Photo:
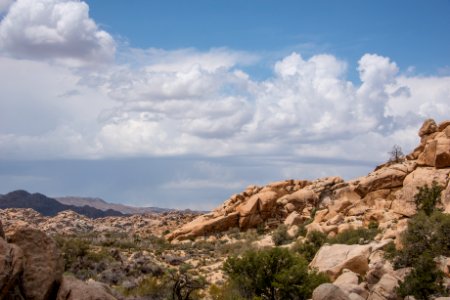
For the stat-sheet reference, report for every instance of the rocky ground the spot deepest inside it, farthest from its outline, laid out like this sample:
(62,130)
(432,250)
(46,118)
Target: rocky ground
(156,256)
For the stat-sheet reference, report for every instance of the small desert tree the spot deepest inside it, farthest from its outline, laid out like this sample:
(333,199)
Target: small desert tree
(396,154)
(272,274)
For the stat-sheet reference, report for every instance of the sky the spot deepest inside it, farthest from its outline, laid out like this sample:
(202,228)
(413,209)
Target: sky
(181,104)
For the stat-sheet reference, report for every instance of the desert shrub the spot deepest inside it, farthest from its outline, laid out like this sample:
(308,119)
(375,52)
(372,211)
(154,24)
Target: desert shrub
(261,228)
(427,198)
(354,236)
(227,291)
(236,248)
(424,234)
(427,237)
(72,249)
(150,287)
(390,252)
(396,154)
(309,247)
(373,225)
(204,245)
(275,273)
(234,233)
(280,235)
(186,283)
(424,281)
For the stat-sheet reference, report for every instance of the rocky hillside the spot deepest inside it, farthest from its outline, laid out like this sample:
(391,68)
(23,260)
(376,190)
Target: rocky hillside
(103,205)
(49,206)
(71,223)
(333,205)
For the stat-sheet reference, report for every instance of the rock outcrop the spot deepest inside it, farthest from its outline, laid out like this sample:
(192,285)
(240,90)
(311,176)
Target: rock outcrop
(31,268)
(74,289)
(43,265)
(386,196)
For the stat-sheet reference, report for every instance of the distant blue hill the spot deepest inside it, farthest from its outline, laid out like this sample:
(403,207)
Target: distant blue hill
(49,206)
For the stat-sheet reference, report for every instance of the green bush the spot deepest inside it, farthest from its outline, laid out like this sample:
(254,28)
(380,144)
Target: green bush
(280,235)
(427,198)
(427,237)
(275,273)
(355,236)
(424,281)
(424,234)
(227,291)
(311,245)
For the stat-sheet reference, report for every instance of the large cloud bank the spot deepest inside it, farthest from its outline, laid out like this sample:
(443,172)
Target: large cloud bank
(64,94)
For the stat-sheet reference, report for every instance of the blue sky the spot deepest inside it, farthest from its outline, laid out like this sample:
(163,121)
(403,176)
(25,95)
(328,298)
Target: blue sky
(414,32)
(184,103)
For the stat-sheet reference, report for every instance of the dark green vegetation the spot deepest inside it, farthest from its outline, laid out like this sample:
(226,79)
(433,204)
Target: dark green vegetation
(427,238)
(355,236)
(309,247)
(275,273)
(427,198)
(280,236)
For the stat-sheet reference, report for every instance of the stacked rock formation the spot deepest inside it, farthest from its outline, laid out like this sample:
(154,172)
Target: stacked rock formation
(385,196)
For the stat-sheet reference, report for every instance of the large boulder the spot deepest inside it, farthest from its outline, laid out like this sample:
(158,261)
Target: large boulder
(11,266)
(385,178)
(351,257)
(206,224)
(404,202)
(328,291)
(384,288)
(74,289)
(436,152)
(428,127)
(348,283)
(294,218)
(43,265)
(2,233)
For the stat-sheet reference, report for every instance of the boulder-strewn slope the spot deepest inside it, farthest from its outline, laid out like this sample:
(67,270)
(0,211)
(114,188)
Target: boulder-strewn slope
(71,223)
(384,196)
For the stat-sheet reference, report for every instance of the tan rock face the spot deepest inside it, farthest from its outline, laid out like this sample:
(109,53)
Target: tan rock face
(404,202)
(11,266)
(351,257)
(43,266)
(293,219)
(2,233)
(385,288)
(385,178)
(328,291)
(434,150)
(74,289)
(428,127)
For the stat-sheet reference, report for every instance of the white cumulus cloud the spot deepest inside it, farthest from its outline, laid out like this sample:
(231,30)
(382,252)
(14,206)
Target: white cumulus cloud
(59,30)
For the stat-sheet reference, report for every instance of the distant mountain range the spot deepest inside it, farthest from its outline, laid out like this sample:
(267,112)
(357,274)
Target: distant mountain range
(103,205)
(49,206)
